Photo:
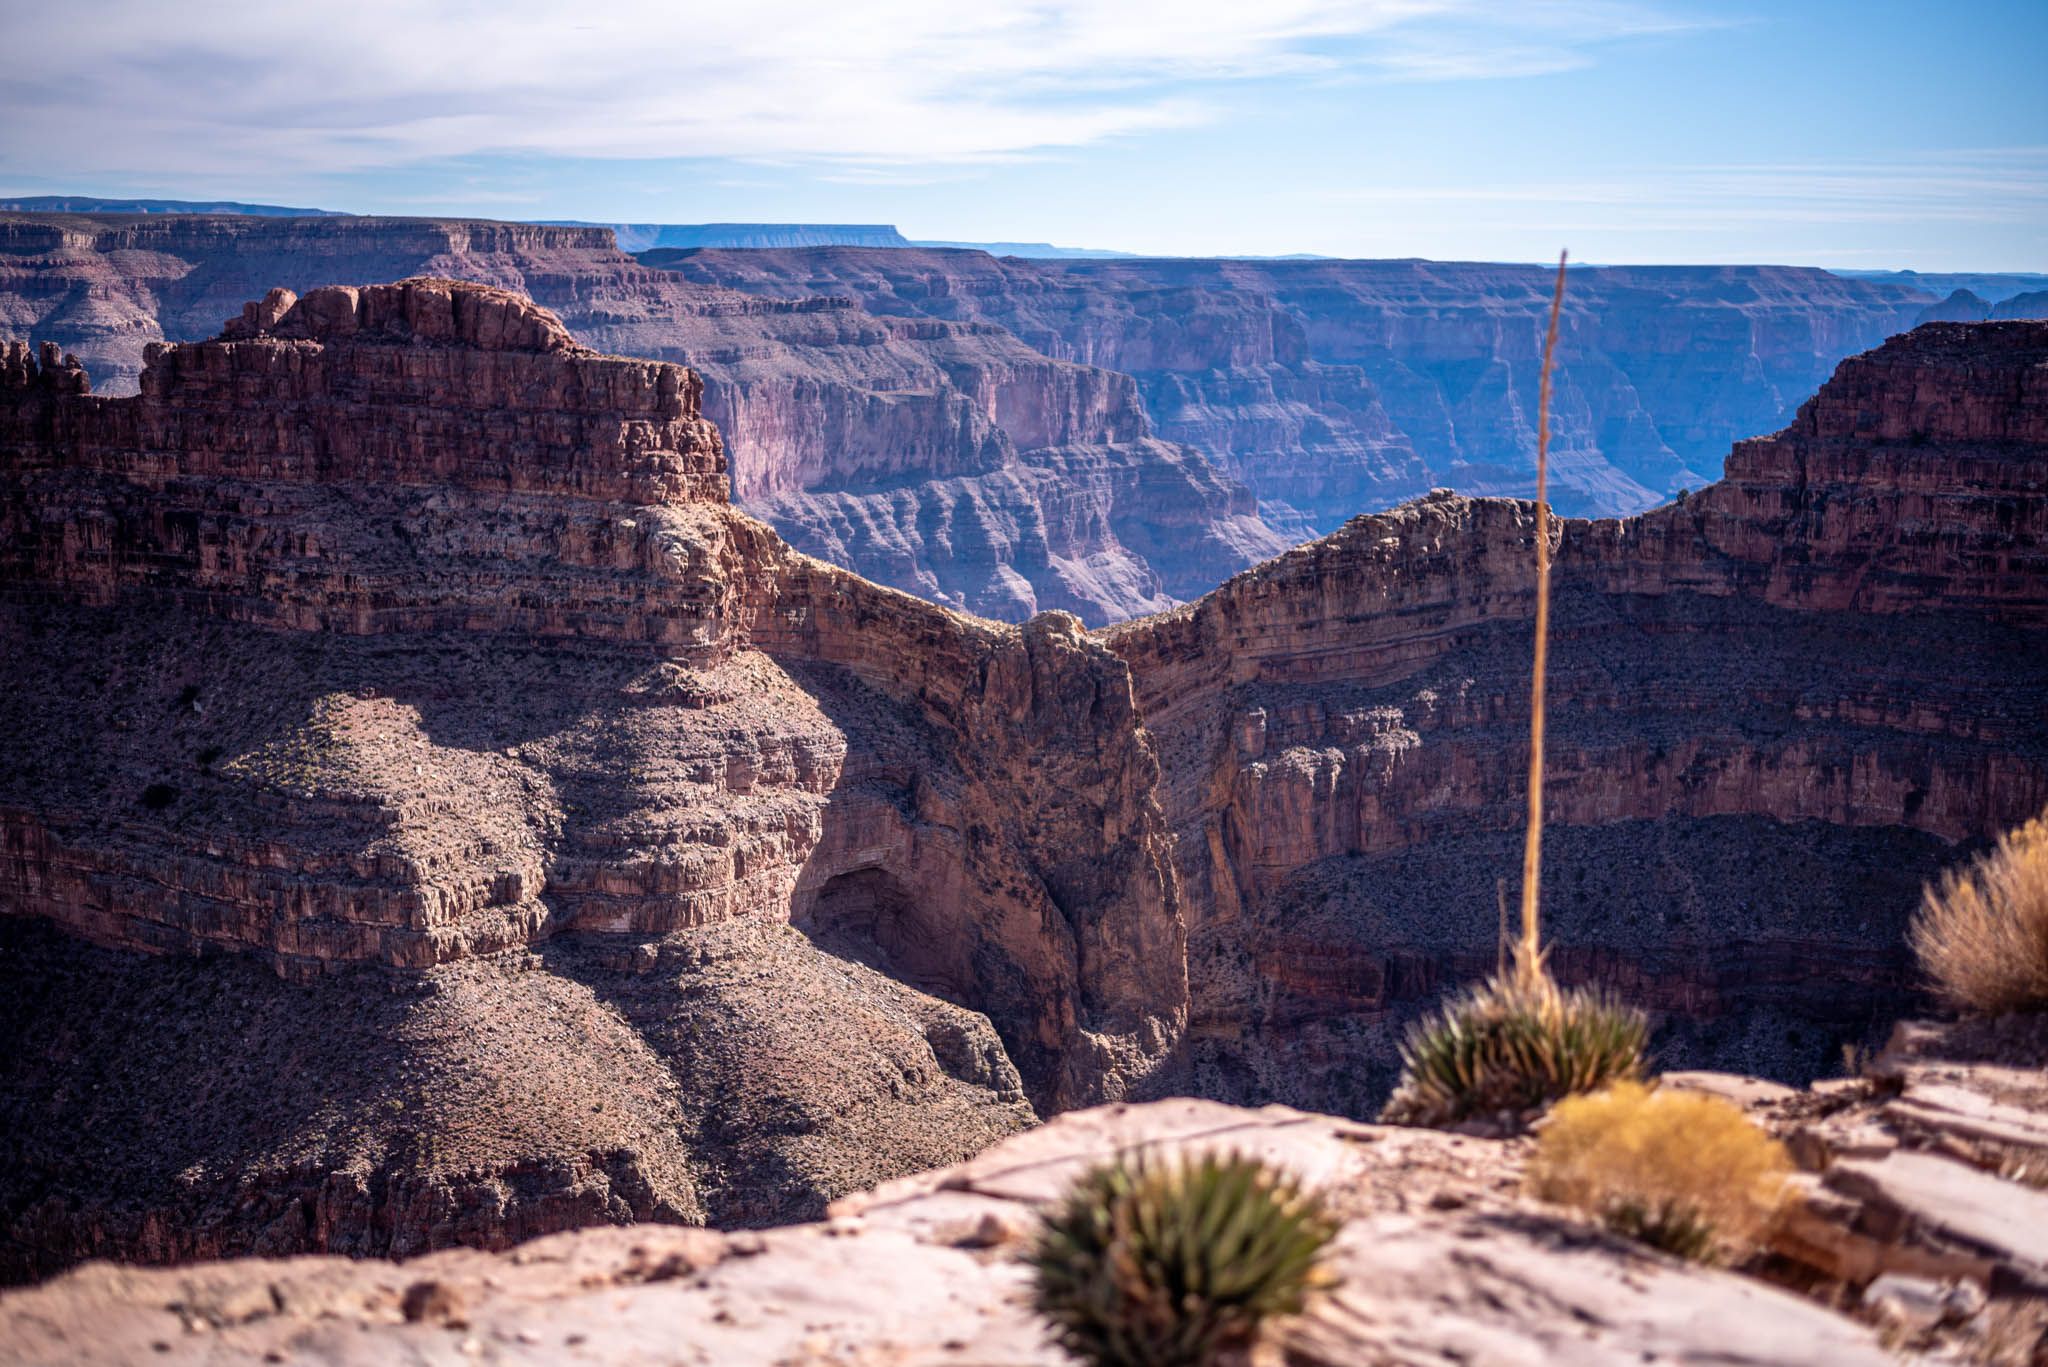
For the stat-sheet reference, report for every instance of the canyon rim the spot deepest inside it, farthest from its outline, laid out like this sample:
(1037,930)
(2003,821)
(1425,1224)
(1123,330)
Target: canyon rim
(837,685)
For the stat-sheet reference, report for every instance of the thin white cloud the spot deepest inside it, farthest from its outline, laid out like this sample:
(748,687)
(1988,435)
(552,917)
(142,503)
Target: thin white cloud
(1975,186)
(140,87)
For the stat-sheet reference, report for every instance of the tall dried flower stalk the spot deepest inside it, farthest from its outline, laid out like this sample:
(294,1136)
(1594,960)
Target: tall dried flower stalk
(1529,967)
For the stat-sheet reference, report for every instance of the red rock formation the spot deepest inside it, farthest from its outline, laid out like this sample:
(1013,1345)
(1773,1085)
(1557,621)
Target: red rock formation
(397,636)
(395,642)
(1339,387)
(1774,703)
(947,459)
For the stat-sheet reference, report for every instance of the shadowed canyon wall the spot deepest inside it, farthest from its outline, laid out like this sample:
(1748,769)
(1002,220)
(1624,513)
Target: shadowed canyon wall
(400,643)
(437,816)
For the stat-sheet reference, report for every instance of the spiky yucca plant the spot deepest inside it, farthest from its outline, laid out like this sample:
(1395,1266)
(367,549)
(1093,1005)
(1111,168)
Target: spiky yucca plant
(1511,1046)
(1168,1264)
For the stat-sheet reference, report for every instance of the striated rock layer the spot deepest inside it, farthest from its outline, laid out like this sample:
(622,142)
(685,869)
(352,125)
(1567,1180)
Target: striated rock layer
(1339,387)
(398,642)
(1775,706)
(948,459)
(436,816)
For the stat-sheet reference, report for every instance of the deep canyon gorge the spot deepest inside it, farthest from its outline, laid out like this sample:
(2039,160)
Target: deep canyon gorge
(489,828)
(1102,437)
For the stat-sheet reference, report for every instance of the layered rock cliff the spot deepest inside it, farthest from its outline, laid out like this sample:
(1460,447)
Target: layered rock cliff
(947,459)
(1776,706)
(1339,387)
(514,835)
(438,817)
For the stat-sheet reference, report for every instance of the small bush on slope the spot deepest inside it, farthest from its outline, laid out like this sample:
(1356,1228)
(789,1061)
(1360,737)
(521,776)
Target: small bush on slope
(1150,1264)
(1682,1172)
(1982,931)
(1511,1046)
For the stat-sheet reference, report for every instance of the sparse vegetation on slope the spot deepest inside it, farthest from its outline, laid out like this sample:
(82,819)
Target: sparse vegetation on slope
(1683,1172)
(1169,1264)
(1982,931)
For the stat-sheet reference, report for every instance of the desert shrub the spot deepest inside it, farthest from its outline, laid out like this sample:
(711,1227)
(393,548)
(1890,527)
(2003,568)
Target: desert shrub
(1683,1172)
(1982,930)
(1169,1264)
(1510,1047)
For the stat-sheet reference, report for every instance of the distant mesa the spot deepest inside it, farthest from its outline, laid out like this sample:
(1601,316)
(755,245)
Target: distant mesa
(2030,305)
(641,237)
(89,204)
(1994,286)
(1961,306)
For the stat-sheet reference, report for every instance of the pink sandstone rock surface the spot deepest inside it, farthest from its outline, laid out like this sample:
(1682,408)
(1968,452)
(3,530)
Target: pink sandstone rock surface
(1441,1260)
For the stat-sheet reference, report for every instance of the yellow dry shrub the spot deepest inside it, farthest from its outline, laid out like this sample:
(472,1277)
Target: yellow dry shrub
(1686,1173)
(1982,931)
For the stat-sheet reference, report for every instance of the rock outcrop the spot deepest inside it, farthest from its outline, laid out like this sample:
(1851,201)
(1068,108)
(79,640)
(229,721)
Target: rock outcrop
(2033,304)
(1776,706)
(393,669)
(946,459)
(1441,1260)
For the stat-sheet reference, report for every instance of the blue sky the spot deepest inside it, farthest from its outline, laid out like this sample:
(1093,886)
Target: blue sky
(1848,135)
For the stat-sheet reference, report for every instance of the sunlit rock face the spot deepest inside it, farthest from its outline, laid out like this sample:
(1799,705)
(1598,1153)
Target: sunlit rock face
(1335,388)
(949,459)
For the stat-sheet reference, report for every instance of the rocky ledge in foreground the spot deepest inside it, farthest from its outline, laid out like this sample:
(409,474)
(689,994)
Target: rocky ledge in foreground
(1441,1261)
(1919,1232)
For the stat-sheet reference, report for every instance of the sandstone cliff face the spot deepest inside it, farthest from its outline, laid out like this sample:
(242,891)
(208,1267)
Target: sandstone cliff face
(1775,704)
(947,459)
(398,642)
(485,829)
(1339,387)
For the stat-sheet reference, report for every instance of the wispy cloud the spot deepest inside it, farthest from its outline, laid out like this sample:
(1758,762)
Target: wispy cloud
(1974,186)
(210,90)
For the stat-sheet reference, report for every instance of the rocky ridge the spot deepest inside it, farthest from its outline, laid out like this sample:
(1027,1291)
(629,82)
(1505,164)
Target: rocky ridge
(1342,735)
(401,643)
(947,459)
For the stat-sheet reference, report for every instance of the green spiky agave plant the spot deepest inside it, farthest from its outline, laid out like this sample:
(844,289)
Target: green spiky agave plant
(1511,1046)
(1150,1263)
